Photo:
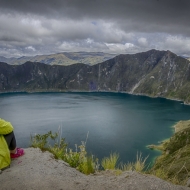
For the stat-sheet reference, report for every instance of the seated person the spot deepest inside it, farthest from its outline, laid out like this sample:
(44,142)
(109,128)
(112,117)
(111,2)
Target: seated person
(8,147)
(11,142)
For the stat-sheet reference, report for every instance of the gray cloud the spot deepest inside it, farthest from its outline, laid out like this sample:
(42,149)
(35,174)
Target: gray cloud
(122,26)
(136,15)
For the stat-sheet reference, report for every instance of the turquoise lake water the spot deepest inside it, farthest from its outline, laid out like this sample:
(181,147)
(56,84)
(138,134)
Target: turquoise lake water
(116,122)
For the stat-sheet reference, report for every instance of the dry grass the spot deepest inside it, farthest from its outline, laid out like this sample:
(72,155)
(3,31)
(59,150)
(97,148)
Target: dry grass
(140,164)
(110,162)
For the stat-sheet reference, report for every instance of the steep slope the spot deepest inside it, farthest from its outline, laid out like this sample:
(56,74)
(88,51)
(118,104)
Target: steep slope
(170,78)
(153,73)
(174,162)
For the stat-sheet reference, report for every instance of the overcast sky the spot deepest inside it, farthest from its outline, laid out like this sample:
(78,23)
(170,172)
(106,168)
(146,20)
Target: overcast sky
(31,27)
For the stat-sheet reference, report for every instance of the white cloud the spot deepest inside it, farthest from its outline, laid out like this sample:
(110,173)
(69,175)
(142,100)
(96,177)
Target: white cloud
(143,42)
(177,44)
(30,48)
(89,41)
(121,48)
(83,45)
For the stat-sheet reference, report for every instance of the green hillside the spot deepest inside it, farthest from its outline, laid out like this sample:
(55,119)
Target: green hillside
(174,163)
(65,58)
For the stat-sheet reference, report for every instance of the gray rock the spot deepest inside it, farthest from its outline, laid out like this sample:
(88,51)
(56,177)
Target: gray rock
(188,183)
(39,170)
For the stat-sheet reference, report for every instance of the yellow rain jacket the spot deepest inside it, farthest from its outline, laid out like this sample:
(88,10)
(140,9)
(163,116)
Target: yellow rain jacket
(5,128)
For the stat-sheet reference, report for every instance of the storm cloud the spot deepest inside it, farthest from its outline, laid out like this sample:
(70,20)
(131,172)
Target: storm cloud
(122,26)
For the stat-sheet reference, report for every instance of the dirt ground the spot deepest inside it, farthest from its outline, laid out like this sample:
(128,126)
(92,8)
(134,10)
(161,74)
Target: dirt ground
(39,170)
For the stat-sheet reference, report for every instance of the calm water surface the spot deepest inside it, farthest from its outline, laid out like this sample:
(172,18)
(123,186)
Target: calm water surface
(116,122)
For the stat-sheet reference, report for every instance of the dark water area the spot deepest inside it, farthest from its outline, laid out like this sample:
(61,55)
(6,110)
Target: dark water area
(116,122)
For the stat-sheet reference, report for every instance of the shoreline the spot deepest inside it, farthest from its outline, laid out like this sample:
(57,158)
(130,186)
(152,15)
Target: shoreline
(160,147)
(179,126)
(175,154)
(85,91)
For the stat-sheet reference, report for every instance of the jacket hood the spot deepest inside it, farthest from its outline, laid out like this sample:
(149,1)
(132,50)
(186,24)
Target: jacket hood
(5,127)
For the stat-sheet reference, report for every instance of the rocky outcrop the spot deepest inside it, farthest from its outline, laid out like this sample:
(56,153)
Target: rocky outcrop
(39,170)
(153,73)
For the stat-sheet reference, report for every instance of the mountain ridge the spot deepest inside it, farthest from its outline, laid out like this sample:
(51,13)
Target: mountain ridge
(64,58)
(153,73)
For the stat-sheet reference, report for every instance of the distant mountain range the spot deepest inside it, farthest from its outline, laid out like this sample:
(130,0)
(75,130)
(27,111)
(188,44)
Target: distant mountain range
(153,73)
(66,58)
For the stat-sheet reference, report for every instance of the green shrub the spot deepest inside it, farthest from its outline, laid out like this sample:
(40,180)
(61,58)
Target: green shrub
(41,141)
(87,165)
(77,159)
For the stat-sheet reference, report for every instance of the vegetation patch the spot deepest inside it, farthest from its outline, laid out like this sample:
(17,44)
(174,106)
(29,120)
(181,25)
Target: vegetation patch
(55,144)
(80,159)
(174,163)
(110,162)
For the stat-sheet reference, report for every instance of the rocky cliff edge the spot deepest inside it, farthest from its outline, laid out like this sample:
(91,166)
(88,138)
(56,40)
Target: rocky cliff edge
(39,170)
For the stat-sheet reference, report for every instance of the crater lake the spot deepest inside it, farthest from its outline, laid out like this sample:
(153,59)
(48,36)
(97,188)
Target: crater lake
(114,122)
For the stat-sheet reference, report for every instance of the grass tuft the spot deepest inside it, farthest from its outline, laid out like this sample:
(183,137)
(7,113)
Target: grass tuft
(140,164)
(127,167)
(110,162)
